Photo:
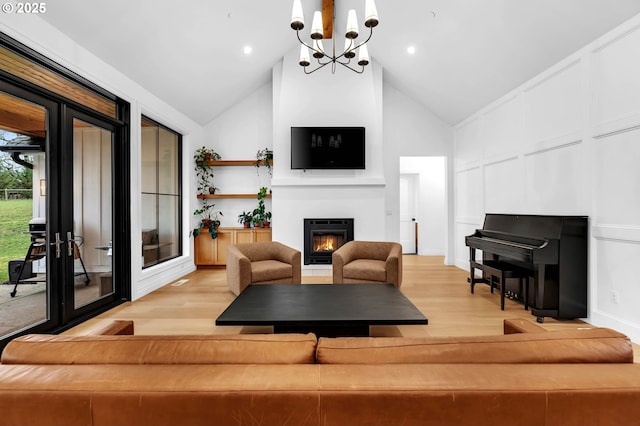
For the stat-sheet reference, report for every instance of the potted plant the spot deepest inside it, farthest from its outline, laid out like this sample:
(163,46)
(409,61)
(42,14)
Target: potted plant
(260,214)
(245,218)
(267,219)
(265,156)
(204,170)
(208,220)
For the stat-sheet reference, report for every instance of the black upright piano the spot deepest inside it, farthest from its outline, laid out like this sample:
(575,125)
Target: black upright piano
(552,250)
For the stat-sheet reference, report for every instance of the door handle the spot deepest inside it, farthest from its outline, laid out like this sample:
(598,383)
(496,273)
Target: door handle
(70,244)
(57,243)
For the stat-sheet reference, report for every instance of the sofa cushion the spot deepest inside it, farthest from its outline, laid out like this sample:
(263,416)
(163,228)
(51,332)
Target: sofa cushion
(365,269)
(220,349)
(598,345)
(269,270)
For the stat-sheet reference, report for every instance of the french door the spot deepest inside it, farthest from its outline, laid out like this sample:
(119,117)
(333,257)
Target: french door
(85,204)
(74,262)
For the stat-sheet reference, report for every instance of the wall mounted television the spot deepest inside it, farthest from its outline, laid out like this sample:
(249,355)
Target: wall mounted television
(327,148)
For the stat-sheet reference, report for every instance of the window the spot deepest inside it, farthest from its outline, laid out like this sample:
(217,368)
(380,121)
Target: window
(161,193)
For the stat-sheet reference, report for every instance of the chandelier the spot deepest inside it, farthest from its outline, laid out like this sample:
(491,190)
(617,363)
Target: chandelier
(320,32)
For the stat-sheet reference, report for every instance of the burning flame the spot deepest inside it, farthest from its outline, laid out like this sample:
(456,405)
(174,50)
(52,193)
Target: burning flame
(325,245)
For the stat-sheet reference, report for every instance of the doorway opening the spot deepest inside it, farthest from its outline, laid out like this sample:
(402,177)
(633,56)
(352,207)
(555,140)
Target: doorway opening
(423,205)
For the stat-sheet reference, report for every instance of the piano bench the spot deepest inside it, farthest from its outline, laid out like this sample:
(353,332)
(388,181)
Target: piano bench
(501,271)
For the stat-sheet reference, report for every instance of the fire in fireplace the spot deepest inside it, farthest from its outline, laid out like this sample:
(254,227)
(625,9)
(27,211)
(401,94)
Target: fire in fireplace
(323,236)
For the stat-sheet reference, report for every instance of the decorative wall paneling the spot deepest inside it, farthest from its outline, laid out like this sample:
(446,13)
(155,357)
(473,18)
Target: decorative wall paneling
(579,155)
(616,86)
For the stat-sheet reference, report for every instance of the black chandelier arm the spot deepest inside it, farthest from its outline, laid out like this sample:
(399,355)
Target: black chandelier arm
(316,69)
(346,65)
(309,47)
(363,43)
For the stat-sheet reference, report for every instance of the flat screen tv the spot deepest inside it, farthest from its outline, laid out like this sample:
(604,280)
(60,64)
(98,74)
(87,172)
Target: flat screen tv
(327,148)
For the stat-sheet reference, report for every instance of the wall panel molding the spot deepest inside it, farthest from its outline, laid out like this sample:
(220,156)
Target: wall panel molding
(616,125)
(556,142)
(469,220)
(616,89)
(468,166)
(498,159)
(621,233)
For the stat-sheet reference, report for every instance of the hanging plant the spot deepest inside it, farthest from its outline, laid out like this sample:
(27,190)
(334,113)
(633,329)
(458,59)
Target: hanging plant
(265,156)
(204,170)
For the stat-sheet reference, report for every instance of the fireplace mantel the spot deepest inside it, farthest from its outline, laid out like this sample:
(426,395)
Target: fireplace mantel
(328,181)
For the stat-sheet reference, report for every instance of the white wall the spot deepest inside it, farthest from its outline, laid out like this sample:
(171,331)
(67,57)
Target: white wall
(40,36)
(410,129)
(237,134)
(566,143)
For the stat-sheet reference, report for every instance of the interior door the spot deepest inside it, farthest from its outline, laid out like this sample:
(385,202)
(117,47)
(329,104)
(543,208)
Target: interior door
(408,212)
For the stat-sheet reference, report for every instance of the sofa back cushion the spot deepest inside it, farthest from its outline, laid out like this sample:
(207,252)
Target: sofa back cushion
(599,345)
(220,349)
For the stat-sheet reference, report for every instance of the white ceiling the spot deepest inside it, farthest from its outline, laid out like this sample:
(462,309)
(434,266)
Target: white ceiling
(189,53)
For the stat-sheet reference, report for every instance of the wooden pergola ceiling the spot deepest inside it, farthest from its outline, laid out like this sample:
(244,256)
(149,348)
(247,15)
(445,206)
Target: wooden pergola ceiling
(22,117)
(19,116)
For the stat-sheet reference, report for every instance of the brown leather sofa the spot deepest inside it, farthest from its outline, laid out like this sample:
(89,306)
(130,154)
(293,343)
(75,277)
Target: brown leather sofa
(265,262)
(367,262)
(575,377)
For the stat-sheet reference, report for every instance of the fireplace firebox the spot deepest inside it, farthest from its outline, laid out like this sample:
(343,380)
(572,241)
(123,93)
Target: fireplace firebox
(324,236)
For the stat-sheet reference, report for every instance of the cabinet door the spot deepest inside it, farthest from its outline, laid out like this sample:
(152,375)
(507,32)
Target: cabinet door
(261,235)
(244,236)
(225,238)
(204,249)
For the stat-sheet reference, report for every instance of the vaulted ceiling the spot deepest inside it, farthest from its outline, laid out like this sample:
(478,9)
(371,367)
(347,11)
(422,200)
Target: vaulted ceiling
(468,52)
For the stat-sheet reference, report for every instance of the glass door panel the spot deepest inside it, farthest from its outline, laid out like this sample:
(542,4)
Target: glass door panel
(92,212)
(25,294)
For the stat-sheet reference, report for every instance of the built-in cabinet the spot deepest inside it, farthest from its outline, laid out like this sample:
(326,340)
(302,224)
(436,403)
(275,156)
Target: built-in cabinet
(213,251)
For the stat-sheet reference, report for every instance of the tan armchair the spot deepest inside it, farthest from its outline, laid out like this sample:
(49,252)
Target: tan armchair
(268,262)
(368,262)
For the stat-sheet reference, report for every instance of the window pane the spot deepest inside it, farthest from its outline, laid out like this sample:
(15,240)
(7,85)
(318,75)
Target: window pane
(161,196)
(149,153)
(168,227)
(167,162)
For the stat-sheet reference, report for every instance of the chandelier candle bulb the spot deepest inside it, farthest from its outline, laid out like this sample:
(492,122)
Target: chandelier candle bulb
(304,56)
(348,48)
(297,16)
(318,49)
(370,14)
(316,25)
(352,25)
(363,59)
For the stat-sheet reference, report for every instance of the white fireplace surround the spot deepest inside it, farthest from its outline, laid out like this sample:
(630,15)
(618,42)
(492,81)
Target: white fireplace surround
(323,100)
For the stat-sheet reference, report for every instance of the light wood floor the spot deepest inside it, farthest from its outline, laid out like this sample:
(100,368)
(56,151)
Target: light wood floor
(440,292)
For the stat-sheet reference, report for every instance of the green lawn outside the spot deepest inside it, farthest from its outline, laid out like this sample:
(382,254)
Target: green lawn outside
(14,237)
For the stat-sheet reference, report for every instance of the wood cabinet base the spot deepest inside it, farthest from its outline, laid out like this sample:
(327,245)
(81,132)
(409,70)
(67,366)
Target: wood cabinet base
(210,252)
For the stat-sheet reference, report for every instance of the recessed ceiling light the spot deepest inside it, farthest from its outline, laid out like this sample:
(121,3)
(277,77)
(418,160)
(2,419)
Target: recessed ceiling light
(247,50)
(411,50)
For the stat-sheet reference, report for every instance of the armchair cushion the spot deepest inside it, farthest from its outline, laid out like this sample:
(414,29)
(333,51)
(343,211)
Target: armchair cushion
(269,270)
(366,270)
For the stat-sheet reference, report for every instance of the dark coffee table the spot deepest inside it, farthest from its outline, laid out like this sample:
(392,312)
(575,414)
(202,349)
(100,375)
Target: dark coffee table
(328,310)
